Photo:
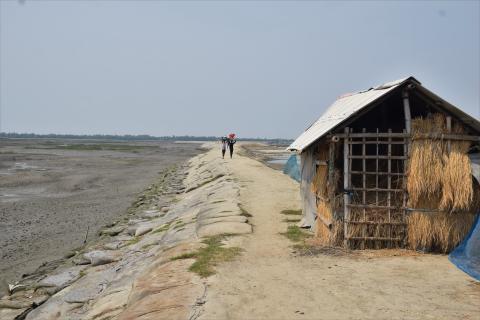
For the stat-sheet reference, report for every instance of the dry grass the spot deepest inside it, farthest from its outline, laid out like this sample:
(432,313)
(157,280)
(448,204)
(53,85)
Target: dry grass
(439,232)
(322,232)
(375,230)
(425,164)
(457,190)
(435,170)
(319,183)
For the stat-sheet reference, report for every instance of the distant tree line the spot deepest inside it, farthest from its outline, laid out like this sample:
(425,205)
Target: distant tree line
(128,137)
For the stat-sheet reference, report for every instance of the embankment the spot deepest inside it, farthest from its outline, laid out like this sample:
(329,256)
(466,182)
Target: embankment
(130,273)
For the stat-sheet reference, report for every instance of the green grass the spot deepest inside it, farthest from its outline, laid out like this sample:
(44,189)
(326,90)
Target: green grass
(188,255)
(292,212)
(179,226)
(291,220)
(148,245)
(134,240)
(210,256)
(163,228)
(296,234)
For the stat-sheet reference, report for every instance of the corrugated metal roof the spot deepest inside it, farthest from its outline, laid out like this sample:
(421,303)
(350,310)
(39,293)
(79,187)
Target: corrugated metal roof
(348,105)
(341,109)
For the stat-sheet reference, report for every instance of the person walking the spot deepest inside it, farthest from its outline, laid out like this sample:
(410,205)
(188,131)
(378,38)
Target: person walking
(224,146)
(231,142)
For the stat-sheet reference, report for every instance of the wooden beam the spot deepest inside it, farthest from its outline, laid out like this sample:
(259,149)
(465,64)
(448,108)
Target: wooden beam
(406,135)
(375,238)
(379,157)
(371,206)
(406,111)
(346,186)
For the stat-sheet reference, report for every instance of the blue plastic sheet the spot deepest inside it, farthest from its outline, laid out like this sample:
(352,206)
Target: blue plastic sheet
(467,255)
(292,168)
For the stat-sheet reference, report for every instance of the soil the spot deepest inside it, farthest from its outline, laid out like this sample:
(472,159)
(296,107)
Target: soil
(271,280)
(53,191)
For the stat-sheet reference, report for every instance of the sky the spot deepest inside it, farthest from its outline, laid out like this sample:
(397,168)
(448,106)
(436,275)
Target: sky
(263,69)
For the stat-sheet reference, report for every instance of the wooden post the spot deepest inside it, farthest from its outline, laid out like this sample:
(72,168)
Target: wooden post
(346,187)
(389,186)
(406,111)
(404,184)
(408,116)
(331,176)
(376,173)
(449,130)
(364,193)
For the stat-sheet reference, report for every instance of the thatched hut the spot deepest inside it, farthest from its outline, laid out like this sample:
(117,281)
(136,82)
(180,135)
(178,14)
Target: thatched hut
(390,167)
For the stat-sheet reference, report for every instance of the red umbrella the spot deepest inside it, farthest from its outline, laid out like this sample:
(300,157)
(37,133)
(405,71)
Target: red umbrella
(232,135)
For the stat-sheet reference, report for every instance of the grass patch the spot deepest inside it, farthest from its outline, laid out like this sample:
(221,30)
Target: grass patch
(291,220)
(296,234)
(133,241)
(211,255)
(218,201)
(146,246)
(179,226)
(163,228)
(188,255)
(292,212)
(245,213)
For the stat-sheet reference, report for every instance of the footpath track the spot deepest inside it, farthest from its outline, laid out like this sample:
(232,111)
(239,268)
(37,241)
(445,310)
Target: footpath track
(271,281)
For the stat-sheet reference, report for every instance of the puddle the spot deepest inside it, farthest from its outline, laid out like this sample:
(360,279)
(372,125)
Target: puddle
(279,160)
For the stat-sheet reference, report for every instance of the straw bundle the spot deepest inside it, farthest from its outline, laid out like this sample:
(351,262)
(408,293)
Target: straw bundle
(439,231)
(425,165)
(457,190)
(323,233)
(319,183)
(376,229)
(434,170)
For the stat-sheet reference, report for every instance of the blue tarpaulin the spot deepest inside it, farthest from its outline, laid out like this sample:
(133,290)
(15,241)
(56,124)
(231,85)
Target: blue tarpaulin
(292,168)
(467,255)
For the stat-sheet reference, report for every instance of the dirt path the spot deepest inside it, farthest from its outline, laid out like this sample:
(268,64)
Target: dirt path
(269,282)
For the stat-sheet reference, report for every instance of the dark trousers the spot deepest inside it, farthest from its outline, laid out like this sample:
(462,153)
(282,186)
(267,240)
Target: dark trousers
(223,153)
(231,150)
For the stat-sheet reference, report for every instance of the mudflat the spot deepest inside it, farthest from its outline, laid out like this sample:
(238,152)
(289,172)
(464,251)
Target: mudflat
(53,191)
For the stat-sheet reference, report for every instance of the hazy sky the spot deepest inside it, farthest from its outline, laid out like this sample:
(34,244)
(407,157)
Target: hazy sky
(260,69)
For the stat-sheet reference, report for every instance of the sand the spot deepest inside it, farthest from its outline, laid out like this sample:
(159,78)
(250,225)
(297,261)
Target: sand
(49,197)
(271,281)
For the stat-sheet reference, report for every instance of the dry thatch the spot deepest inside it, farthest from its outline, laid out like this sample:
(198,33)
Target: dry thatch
(439,167)
(439,179)
(457,191)
(379,227)
(437,231)
(319,183)
(425,165)
(324,213)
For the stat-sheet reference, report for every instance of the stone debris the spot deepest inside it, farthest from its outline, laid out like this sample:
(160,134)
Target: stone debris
(132,275)
(62,279)
(151,214)
(141,230)
(113,245)
(98,257)
(112,231)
